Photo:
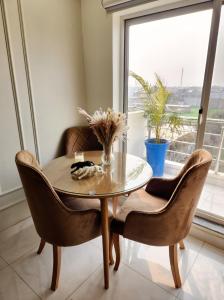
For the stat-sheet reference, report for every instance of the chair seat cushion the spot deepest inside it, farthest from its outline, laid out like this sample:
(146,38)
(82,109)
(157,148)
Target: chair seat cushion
(79,203)
(137,201)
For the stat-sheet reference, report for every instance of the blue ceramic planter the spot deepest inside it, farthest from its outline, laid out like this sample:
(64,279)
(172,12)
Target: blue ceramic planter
(156,154)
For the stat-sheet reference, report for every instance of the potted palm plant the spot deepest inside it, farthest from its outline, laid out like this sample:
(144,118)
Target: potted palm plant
(159,121)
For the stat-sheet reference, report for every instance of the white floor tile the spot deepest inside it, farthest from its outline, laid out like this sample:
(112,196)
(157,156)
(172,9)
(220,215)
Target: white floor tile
(154,264)
(206,279)
(124,284)
(97,242)
(78,263)
(18,240)
(13,288)
(144,272)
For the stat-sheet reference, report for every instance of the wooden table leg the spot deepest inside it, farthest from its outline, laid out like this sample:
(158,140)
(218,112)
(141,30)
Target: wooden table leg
(105,239)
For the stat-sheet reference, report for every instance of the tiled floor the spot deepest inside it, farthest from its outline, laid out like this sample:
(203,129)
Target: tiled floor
(144,272)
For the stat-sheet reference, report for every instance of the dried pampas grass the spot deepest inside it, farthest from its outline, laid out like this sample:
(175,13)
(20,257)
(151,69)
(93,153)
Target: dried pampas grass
(107,125)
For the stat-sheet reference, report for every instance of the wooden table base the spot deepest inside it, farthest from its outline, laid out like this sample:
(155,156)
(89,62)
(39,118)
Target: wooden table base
(122,166)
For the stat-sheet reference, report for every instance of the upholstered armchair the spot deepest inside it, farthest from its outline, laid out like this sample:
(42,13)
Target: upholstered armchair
(61,222)
(80,139)
(161,215)
(83,139)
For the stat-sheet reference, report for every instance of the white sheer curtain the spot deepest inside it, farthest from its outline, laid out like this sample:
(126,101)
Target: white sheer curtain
(113,5)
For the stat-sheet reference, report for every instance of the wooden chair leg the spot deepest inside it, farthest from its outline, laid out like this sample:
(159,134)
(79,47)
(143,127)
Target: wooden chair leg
(117,250)
(56,267)
(115,205)
(174,265)
(41,246)
(181,244)
(111,260)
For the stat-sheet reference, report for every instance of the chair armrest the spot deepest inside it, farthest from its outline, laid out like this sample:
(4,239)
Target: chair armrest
(151,228)
(162,187)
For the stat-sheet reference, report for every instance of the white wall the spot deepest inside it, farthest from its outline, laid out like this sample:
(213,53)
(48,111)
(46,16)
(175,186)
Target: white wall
(53,40)
(54,47)
(9,137)
(97,46)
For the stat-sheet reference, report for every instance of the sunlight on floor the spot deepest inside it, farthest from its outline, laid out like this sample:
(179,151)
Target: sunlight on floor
(143,274)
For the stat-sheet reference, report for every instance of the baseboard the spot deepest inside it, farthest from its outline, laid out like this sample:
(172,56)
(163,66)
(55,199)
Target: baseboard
(11,197)
(13,208)
(207,235)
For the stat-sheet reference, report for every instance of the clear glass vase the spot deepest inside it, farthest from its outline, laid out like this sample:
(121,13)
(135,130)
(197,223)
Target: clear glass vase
(107,155)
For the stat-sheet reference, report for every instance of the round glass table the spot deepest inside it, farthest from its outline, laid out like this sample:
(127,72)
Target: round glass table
(126,174)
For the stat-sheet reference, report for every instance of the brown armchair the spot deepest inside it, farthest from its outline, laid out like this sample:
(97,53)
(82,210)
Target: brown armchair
(80,139)
(161,215)
(61,222)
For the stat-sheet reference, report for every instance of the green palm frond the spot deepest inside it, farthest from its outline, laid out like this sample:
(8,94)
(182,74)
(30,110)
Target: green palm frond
(155,105)
(144,84)
(175,123)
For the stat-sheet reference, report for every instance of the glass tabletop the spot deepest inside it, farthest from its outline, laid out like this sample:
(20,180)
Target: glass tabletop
(127,173)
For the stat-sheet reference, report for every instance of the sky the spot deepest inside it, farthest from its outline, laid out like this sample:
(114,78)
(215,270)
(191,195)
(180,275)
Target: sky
(169,45)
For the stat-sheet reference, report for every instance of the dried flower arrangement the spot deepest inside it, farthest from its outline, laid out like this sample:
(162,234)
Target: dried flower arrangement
(107,126)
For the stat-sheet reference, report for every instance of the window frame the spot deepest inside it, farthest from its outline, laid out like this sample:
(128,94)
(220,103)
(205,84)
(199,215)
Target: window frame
(170,10)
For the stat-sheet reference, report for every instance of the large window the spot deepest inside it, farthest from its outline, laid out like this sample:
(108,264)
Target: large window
(174,45)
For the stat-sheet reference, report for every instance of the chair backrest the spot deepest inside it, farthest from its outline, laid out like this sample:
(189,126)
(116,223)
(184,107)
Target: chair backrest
(182,205)
(172,224)
(80,139)
(197,157)
(54,222)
